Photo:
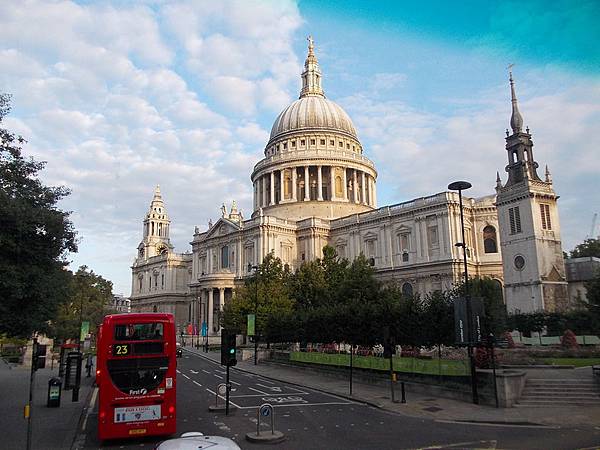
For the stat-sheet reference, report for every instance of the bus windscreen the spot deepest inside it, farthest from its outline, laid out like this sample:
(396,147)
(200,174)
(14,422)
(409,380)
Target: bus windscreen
(139,332)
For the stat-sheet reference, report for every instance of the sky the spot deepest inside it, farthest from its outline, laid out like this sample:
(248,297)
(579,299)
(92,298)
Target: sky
(118,97)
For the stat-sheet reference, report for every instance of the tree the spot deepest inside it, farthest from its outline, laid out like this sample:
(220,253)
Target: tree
(589,247)
(264,294)
(438,320)
(592,288)
(88,298)
(35,236)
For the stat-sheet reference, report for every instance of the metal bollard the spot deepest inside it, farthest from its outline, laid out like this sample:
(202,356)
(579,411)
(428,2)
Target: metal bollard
(403,393)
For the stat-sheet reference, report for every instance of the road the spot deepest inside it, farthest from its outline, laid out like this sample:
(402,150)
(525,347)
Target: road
(315,420)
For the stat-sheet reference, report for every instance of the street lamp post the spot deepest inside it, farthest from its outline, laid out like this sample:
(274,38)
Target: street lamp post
(461,186)
(255,268)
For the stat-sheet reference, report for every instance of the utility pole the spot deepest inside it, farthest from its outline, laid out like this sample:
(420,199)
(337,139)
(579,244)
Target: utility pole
(29,406)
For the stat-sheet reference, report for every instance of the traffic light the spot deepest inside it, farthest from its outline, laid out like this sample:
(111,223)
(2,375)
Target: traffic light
(228,348)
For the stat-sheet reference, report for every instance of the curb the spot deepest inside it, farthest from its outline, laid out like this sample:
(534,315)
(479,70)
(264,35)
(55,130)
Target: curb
(78,431)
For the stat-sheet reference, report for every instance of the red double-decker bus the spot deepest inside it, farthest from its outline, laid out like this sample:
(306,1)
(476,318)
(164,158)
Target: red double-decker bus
(136,375)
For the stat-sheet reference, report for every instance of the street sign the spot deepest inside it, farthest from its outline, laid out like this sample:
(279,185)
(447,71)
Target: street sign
(251,325)
(461,323)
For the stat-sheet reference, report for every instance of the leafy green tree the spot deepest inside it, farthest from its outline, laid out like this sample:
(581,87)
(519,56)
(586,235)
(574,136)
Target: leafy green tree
(264,294)
(35,236)
(308,285)
(438,320)
(89,298)
(593,292)
(589,247)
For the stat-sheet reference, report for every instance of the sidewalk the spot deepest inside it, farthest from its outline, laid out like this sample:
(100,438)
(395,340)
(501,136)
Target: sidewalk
(52,428)
(417,405)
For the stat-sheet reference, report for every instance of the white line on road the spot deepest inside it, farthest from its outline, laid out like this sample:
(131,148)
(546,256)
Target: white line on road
(205,371)
(235,382)
(185,376)
(220,396)
(256,390)
(178,371)
(90,407)
(194,372)
(506,425)
(218,376)
(291,405)
(220,371)
(267,381)
(195,382)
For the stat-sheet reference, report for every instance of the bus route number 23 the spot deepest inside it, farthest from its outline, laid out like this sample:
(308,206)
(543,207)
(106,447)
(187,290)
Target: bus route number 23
(121,350)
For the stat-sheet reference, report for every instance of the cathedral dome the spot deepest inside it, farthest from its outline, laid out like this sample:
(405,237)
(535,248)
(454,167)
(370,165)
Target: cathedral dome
(312,112)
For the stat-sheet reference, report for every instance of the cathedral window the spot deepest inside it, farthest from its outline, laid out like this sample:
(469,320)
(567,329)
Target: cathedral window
(514,217)
(405,257)
(293,143)
(404,242)
(545,214)
(225,257)
(341,144)
(162,280)
(313,142)
(285,145)
(348,146)
(322,141)
(489,240)
(331,142)
(407,289)
(434,240)
(141,281)
(302,142)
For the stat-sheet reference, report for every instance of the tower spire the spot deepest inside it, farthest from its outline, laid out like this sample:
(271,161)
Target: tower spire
(516,120)
(311,77)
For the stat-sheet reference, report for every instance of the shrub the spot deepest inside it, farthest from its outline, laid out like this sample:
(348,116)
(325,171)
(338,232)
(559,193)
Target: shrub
(569,340)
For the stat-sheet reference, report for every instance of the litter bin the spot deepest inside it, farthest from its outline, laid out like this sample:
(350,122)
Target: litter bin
(54,389)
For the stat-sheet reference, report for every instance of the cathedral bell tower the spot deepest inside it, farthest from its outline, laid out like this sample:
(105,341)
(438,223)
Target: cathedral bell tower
(532,257)
(156,229)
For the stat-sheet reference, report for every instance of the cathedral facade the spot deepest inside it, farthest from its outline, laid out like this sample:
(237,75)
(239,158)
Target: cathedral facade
(315,187)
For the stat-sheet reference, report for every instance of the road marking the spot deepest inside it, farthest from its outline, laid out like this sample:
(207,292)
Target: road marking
(206,371)
(273,388)
(256,390)
(220,371)
(194,372)
(178,371)
(194,381)
(290,405)
(235,382)
(90,407)
(221,397)
(267,381)
(502,425)
(185,376)
(262,395)
(218,376)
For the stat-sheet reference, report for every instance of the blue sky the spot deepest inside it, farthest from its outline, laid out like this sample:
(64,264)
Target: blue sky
(121,96)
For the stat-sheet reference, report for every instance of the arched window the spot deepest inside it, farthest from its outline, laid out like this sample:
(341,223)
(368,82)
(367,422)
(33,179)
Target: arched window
(407,289)
(489,240)
(338,186)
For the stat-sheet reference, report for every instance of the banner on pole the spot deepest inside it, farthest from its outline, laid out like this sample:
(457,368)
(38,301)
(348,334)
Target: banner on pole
(251,325)
(85,330)
(204,329)
(461,321)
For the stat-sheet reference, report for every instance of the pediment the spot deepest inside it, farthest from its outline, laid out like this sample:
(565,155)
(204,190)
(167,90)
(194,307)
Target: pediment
(222,227)
(402,229)
(370,236)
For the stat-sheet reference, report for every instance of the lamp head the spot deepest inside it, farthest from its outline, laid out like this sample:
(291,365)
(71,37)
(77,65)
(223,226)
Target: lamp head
(459,185)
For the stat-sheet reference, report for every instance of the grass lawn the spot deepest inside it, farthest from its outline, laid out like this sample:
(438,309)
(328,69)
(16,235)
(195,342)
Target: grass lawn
(577,362)
(405,364)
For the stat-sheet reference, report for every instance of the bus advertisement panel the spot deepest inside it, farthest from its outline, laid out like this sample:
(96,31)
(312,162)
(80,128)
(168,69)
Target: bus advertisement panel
(136,375)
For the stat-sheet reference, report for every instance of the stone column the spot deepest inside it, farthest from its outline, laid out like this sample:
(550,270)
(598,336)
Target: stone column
(345,180)
(210,312)
(355,186)
(306,184)
(263,184)
(319,184)
(374,194)
(294,184)
(332,182)
(362,186)
(272,188)
(281,185)
(221,301)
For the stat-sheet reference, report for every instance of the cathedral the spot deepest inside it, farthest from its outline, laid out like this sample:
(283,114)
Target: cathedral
(315,186)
